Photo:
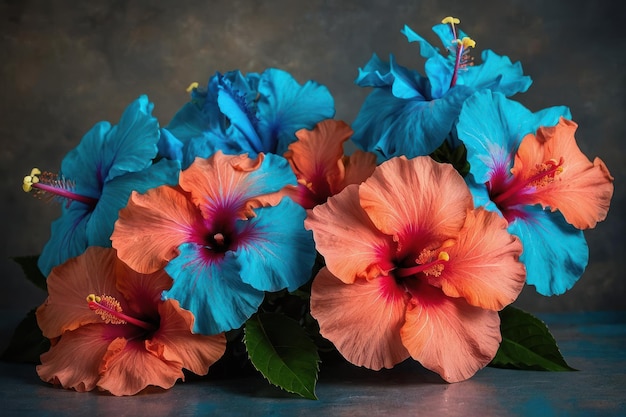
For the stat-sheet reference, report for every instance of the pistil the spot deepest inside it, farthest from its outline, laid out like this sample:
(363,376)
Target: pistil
(110,310)
(53,186)
(545,174)
(433,268)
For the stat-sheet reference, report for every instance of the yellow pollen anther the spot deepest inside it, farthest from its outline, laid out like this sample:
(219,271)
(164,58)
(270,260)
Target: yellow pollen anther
(29,180)
(93,298)
(443,256)
(107,307)
(451,20)
(192,86)
(468,42)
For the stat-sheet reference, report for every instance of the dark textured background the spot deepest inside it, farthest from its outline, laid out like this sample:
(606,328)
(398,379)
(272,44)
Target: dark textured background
(68,64)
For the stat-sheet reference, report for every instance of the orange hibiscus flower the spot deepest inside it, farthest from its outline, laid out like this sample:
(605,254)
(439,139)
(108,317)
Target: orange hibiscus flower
(413,270)
(110,329)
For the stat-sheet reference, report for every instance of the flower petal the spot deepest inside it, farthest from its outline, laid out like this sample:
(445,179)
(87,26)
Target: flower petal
(316,156)
(449,336)
(127,368)
(235,183)
(152,226)
(276,251)
(74,361)
(212,290)
(285,107)
(555,253)
(175,342)
(582,191)
(350,243)
(69,285)
(484,266)
(417,194)
(362,319)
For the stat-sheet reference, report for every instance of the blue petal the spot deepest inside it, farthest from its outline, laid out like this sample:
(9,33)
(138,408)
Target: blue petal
(284,107)
(234,104)
(392,127)
(273,174)
(426,49)
(496,73)
(279,252)
(555,253)
(376,73)
(68,237)
(209,142)
(115,196)
(492,127)
(213,292)
(106,152)
(170,147)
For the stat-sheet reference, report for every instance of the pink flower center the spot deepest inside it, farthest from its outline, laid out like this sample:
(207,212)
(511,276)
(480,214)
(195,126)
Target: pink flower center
(426,264)
(51,186)
(110,311)
(508,192)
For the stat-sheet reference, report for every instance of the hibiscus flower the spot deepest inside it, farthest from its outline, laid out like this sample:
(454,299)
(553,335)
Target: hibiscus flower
(528,168)
(322,169)
(413,270)
(410,114)
(96,180)
(110,329)
(225,235)
(245,114)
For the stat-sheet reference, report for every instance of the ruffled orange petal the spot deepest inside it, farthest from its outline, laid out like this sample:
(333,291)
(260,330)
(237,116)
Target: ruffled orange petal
(74,361)
(175,342)
(225,180)
(417,194)
(69,285)
(152,226)
(484,266)
(582,192)
(142,292)
(352,247)
(363,319)
(449,336)
(316,157)
(358,167)
(127,368)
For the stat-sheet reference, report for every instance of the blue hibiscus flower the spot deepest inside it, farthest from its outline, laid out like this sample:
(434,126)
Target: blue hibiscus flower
(96,179)
(410,114)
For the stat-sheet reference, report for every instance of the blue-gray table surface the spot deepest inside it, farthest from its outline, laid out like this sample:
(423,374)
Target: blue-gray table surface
(593,343)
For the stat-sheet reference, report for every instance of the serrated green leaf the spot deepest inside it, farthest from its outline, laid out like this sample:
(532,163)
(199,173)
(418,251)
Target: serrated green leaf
(27,343)
(527,344)
(280,349)
(31,270)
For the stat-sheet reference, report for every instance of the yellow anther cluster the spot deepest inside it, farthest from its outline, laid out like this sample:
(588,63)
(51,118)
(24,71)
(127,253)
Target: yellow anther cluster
(192,86)
(451,20)
(31,179)
(468,42)
(93,298)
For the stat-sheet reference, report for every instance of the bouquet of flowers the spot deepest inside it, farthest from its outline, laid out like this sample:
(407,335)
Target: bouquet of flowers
(242,233)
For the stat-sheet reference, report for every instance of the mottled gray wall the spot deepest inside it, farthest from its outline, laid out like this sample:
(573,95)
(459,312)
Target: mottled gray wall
(68,64)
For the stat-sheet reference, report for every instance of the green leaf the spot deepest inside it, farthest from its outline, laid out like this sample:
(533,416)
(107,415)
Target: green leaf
(280,349)
(31,270)
(527,344)
(27,343)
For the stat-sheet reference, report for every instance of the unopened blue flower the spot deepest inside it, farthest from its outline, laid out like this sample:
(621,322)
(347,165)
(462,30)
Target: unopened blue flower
(247,114)
(96,179)
(411,114)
